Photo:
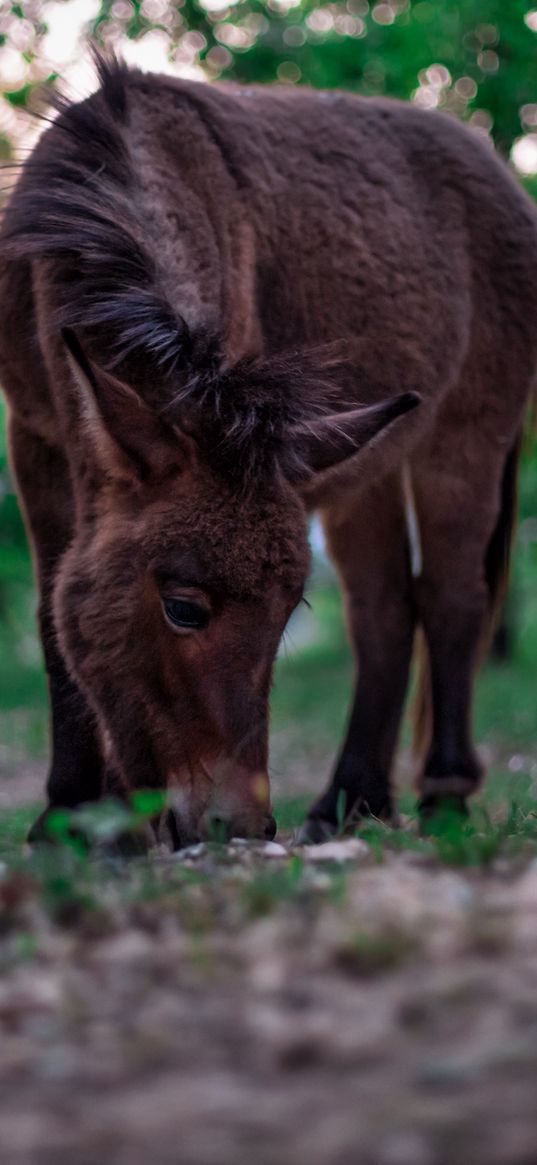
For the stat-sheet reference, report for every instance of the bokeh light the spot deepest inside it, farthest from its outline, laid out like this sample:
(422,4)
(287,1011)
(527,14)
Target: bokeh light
(468,65)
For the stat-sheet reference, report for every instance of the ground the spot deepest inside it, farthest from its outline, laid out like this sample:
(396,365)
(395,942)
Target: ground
(372,1002)
(247,1004)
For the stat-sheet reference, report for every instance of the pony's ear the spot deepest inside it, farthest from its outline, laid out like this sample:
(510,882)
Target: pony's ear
(327,449)
(130,441)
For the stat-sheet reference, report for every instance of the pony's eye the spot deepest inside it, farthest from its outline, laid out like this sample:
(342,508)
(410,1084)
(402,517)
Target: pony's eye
(185,613)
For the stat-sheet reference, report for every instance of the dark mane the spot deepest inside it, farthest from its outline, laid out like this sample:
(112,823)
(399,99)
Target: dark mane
(74,204)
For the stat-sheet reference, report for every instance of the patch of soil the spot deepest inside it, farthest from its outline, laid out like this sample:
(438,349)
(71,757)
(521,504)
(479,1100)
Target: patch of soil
(390,1019)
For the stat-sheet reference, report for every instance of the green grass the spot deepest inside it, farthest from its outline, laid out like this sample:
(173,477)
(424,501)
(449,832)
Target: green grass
(311,693)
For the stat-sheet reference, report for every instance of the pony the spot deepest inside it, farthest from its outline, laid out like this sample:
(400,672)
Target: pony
(222,308)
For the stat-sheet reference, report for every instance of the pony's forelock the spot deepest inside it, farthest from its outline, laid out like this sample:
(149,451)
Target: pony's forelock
(247,413)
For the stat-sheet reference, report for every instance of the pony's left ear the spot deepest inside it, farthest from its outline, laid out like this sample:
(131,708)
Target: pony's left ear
(327,448)
(130,441)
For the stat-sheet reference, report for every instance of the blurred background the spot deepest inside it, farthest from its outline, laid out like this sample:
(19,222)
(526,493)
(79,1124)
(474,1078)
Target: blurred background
(476,60)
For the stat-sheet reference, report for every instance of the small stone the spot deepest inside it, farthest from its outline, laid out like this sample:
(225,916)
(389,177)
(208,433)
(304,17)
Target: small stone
(191,852)
(129,946)
(28,994)
(348,850)
(272,849)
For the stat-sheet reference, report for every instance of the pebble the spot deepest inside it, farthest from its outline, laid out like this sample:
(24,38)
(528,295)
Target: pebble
(272,849)
(191,851)
(336,851)
(31,992)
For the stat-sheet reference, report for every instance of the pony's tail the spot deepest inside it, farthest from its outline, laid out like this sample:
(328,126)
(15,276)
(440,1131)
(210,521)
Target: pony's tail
(498,556)
(422,711)
(497,561)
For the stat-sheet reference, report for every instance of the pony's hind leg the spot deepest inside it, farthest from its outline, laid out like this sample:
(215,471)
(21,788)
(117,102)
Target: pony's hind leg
(465,520)
(367,539)
(76,767)
(451,769)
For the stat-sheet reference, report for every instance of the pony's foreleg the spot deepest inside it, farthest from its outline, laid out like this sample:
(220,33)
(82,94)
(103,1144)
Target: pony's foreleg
(368,540)
(76,767)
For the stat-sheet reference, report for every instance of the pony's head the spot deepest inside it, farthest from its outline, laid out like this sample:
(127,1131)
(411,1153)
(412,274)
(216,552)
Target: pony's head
(190,555)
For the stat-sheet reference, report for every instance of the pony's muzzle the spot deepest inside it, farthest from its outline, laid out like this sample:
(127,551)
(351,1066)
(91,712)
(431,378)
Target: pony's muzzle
(216,828)
(237,808)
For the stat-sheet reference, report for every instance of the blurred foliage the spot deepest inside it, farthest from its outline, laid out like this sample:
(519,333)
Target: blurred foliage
(476,58)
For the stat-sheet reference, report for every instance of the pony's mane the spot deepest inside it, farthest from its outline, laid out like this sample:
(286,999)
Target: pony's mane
(74,204)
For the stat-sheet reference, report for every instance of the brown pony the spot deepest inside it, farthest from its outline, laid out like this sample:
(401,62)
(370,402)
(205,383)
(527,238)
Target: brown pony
(215,303)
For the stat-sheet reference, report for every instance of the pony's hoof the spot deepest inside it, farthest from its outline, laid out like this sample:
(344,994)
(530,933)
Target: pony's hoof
(126,845)
(43,834)
(435,808)
(315,830)
(39,833)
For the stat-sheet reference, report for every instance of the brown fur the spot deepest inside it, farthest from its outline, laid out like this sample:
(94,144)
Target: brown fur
(237,272)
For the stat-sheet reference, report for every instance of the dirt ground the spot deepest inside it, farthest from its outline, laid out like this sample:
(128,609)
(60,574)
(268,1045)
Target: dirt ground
(273,1007)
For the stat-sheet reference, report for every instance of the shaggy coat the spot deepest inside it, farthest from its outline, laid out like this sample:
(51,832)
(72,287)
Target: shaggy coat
(200,288)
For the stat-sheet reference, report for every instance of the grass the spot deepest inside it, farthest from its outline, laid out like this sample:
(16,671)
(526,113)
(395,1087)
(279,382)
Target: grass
(214,899)
(311,690)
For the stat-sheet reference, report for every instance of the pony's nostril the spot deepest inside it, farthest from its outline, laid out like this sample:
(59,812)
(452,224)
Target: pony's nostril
(173,828)
(269,831)
(219,829)
(223,829)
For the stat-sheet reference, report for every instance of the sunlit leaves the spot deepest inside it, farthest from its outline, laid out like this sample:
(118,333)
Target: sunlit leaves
(473,59)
